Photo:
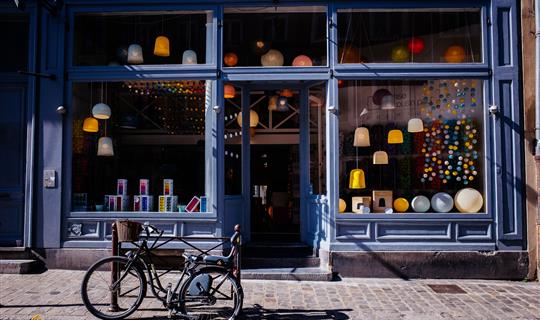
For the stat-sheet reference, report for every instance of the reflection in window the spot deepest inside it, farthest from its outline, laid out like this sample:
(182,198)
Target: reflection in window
(141,38)
(138,146)
(411,146)
(398,36)
(274,37)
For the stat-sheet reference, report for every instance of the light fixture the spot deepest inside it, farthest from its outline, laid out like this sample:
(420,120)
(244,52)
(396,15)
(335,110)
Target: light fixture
(415,125)
(357,179)
(135,54)
(101,111)
(395,136)
(273,58)
(105,147)
(287,93)
(230,59)
(387,102)
(361,137)
(189,57)
(302,61)
(282,104)
(253,119)
(161,47)
(380,157)
(272,103)
(228,91)
(90,125)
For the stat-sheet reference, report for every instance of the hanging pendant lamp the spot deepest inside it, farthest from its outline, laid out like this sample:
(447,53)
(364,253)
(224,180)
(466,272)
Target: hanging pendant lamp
(90,125)
(287,93)
(135,54)
(101,111)
(282,104)
(415,125)
(161,47)
(228,91)
(357,179)
(395,136)
(189,57)
(105,147)
(361,137)
(387,102)
(380,157)
(272,103)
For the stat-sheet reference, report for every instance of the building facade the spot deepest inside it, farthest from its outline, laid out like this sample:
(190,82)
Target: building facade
(388,136)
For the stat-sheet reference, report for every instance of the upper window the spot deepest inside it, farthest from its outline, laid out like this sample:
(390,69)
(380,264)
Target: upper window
(141,38)
(14,30)
(275,37)
(410,36)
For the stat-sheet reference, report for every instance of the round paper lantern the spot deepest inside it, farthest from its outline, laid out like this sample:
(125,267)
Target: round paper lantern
(415,125)
(230,59)
(228,91)
(135,54)
(161,47)
(260,46)
(349,54)
(380,157)
(105,147)
(302,61)
(395,136)
(401,204)
(416,45)
(342,205)
(400,54)
(361,137)
(420,204)
(469,200)
(273,58)
(442,202)
(454,54)
(378,96)
(287,93)
(90,124)
(189,57)
(253,119)
(101,111)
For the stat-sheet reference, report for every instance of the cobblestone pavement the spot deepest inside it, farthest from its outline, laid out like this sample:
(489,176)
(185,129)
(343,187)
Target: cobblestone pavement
(55,295)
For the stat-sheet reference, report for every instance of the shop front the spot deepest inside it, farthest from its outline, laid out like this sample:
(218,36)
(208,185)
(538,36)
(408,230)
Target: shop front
(378,133)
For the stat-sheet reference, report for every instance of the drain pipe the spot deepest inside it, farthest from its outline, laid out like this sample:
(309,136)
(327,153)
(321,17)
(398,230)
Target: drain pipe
(537,78)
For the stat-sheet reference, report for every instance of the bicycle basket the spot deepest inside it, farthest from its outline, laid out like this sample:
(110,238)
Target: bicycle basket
(128,231)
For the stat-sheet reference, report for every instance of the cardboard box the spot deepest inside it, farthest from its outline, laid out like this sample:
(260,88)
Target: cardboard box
(122,187)
(168,203)
(382,200)
(116,203)
(203,207)
(144,187)
(193,204)
(168,187)
(143,203)
(361,204)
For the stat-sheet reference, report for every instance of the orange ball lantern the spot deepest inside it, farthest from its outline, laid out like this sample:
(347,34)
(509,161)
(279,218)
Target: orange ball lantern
(302,61)
(349,54)
(454,54)
(230,59)
(416,45)
(287,93)
(228,91)
(400,54)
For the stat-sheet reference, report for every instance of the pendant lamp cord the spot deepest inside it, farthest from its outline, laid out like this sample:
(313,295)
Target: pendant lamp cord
(356,115)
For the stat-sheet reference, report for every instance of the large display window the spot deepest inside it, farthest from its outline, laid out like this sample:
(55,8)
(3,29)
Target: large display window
(411,146)
(410,36)
(139,146)
(142,38)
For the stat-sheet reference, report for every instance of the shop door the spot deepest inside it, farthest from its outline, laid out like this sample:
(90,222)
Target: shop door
(12,179)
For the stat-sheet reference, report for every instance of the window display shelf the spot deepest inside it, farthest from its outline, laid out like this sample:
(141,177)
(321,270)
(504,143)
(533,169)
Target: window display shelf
(414,216)
(113,215)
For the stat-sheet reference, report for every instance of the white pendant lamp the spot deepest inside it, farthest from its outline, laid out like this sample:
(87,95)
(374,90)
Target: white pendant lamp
(189,57)
(415,125)
(361,137)
(135,54)
(380,157)
(282,104)
(101,111)
(388,102)
(105,147)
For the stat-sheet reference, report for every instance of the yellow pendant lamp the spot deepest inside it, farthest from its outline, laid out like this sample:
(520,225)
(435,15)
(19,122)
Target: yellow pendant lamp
(228,91)
(357,179)
(90,124)
(395,136)
(361,137)
(161,47)
(380,157)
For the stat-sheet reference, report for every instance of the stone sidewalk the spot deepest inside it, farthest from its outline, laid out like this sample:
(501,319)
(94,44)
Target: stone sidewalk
(54,295)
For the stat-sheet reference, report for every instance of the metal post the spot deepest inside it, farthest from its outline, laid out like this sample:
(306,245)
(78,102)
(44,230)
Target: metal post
(113,306)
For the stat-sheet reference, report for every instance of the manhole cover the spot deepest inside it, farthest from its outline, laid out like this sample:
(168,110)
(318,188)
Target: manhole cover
(446,288)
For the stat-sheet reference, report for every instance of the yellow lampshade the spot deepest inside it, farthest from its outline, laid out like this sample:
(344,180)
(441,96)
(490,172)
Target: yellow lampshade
(395,136)
(228,91)
(342,205)
(357,179)
(90,125)
(253,119)
(361,137)
(415,125)
(401,204)
(161,48)
(380,157)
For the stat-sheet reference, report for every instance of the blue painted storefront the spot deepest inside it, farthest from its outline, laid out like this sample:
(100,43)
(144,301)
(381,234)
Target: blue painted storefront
(47,213)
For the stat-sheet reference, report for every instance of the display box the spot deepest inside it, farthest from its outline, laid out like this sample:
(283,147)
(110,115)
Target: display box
(168,187)
(143,203)
(193,204)
(122,187)
(168,203)
(203,206)
(116,203)
(144,187)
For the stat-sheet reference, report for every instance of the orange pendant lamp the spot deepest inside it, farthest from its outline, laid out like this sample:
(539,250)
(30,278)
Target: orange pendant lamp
(228,91)
(90,124)
(161,47)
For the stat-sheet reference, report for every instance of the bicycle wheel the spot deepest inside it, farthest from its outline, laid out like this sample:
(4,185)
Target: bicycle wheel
(211,293)
(98,288)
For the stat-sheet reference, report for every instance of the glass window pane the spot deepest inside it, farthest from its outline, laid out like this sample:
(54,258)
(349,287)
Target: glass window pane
(14,33)
(419,141)
(317,139)
(141,38)
(406,36)
(233,140)
(156,132)
(274,36)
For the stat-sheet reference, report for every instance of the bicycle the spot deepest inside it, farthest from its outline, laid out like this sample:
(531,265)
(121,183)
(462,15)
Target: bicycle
(211,282)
